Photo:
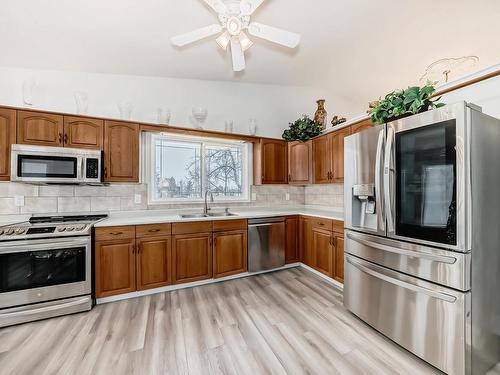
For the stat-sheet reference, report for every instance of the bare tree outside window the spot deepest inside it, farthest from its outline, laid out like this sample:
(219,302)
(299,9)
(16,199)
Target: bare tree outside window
(184,170)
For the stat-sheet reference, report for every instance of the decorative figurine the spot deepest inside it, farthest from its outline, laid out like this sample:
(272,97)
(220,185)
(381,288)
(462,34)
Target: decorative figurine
(336,120)
(321,114)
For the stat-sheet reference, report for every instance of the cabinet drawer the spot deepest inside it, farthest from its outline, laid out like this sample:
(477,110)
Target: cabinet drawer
(111,233)
(153,230)
(326,224)
(225,225)
(193,227)
(338,226)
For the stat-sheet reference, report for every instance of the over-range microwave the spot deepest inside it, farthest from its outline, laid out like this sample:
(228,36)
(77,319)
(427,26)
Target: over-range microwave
(55,165)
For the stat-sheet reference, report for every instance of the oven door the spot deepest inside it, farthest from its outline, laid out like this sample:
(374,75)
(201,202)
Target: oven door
(427,178)
(43,270)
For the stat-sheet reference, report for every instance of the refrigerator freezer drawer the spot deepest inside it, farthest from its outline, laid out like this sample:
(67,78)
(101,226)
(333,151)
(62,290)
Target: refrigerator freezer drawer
(444,267)
(424,318)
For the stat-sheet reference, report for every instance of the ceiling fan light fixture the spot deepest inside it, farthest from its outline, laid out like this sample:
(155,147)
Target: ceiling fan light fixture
(233,26)
(223,40)
(245,41)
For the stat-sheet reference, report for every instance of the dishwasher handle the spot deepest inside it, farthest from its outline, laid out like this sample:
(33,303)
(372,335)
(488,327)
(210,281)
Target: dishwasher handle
(266,220)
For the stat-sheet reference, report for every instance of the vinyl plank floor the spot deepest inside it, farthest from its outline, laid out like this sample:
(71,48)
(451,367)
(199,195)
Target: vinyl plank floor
(286,322)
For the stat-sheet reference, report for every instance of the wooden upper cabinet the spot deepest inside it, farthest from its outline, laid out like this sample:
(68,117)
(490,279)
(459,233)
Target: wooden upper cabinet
(338,259)
(322,159)
(292,239)
(337,143)
(322,244)
(270,162)
(192,257)
(38,128)
(360,126)
(7,138)
(154,262)
(114,267)
(121,152)
(82,132)
(230,253)
(300,162)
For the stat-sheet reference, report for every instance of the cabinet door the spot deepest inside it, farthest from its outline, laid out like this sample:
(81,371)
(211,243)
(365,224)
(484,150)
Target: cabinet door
(192,257)
(360,126)
(38,128)
(292,239)
(306,243)
(83,132)
(114,267)
(337,143)
(338,261)
(322,251)
(154,262)
(7,138)
(230,253)
(322,160)
(300,162)
(121,152)
(274,162)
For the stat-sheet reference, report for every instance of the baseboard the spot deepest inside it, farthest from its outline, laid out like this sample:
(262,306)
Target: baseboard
(323,276)
(187,285)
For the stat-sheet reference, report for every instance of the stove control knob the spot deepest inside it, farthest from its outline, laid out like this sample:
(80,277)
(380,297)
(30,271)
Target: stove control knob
(80,227)
(1,232)
(61,229)
(9,231)
(70,229)
(20,230)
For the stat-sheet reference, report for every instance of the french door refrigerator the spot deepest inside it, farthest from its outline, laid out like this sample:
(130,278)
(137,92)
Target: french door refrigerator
(422,235)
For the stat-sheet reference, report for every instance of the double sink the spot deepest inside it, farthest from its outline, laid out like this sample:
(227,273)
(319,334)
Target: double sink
(210,214)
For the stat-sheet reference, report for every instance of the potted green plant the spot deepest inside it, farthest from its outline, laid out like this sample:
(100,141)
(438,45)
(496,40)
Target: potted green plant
(402,103)
(302,129)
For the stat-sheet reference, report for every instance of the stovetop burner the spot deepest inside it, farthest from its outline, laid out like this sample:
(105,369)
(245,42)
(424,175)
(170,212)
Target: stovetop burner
(65,218)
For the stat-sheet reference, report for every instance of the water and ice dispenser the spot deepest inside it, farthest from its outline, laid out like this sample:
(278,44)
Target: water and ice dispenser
(364,208)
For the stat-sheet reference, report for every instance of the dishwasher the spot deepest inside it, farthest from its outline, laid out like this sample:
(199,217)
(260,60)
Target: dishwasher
(266,243)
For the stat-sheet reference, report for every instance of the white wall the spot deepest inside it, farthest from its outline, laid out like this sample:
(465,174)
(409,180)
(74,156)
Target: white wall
(273,106)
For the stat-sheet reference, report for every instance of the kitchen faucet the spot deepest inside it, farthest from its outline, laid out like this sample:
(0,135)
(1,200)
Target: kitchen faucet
(206,209)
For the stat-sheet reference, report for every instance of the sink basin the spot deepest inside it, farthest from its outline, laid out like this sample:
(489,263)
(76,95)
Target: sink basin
(210,214)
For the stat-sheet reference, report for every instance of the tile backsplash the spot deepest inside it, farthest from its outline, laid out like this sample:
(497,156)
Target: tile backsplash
(119,197)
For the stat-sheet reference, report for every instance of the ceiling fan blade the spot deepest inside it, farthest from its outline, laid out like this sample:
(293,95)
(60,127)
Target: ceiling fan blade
(217,5)
(247,7)
(275,35)
(195,35)
(238,55)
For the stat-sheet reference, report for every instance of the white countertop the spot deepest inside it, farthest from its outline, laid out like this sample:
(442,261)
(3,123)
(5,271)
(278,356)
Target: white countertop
(173,216)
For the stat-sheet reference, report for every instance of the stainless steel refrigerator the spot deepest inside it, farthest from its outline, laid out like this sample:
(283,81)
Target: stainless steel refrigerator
(422,235)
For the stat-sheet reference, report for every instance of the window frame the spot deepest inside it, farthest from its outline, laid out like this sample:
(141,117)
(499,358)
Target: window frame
(149,164)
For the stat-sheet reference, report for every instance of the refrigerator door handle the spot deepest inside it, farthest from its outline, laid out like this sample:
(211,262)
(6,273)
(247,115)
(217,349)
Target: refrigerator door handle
(416,288)
(409,253)
(379,200)
(387,180)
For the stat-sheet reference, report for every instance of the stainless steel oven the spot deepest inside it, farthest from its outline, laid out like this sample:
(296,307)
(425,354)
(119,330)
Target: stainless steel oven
(58,165)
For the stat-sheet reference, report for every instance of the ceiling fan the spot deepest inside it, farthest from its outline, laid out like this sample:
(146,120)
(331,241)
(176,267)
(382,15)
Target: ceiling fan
(234,17)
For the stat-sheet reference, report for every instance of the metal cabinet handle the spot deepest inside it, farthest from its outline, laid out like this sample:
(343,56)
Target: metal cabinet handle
(154,230)
(60,138)
(65,138)
(403,284)
(115,233)
(105,171)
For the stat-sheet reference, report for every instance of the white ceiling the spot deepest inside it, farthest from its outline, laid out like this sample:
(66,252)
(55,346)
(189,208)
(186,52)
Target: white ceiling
(358,49)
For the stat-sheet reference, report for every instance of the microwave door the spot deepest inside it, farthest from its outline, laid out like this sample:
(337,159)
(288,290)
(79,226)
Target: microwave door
(424,179)
(363,182)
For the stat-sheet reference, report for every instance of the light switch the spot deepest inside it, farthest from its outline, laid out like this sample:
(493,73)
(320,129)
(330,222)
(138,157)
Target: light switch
(137,198)
(19,200)
(287,196)
(254,196)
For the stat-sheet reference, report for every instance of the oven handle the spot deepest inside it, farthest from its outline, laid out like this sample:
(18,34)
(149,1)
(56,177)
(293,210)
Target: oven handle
(415,288)
(30,246)
(45,309)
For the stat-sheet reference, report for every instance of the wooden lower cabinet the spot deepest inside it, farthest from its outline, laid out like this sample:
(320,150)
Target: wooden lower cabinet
(192,257)
(114,267)
(305,240)
(229,253)
(154,262)
(322,250)
(292,240)
(338,260)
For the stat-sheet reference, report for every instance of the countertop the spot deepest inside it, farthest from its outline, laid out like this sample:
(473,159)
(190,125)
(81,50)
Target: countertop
(173,216)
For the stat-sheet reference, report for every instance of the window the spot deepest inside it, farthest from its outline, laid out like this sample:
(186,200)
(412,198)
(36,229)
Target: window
(181,169)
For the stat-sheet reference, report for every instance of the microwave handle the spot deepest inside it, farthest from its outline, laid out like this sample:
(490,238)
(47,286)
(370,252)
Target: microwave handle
(82,171)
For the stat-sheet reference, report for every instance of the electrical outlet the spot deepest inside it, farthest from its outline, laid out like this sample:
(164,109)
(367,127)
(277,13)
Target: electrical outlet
(19,200)
(287,196)
(137,198)
(254,196)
